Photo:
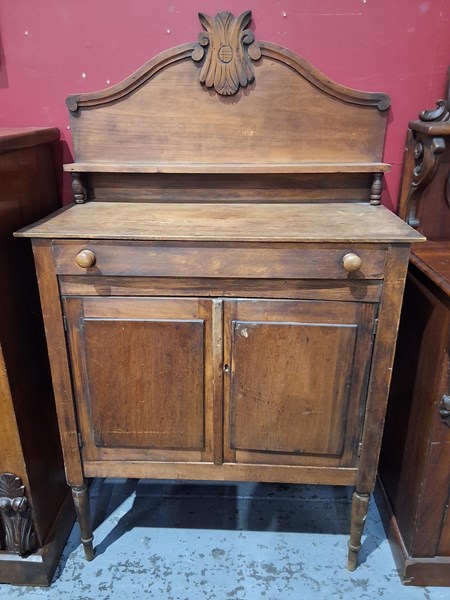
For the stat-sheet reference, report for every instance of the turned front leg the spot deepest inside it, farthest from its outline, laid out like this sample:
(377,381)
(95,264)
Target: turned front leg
(81,500)
(360,506)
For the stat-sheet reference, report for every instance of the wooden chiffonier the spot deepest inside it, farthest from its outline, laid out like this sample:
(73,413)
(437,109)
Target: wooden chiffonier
(415,460)
(222,302)
(36,512)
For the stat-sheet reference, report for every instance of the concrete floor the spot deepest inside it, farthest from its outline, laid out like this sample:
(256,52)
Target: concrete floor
(172,541)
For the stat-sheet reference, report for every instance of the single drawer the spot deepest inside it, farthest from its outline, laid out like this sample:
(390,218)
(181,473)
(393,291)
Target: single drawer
(144,259)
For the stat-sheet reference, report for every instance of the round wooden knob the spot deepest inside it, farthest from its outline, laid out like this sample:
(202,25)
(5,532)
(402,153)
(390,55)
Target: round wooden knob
(85,259)
(351,262)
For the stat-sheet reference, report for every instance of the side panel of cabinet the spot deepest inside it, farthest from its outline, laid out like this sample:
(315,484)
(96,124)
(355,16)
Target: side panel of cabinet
(296,380)
(139,369)
(415,457)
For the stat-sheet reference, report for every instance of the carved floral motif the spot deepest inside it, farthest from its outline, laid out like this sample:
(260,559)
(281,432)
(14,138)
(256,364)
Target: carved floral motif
(227,47)
(19,537)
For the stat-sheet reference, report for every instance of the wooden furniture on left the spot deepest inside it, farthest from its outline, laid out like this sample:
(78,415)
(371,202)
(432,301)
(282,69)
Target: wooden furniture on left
(35,516)
(225,304)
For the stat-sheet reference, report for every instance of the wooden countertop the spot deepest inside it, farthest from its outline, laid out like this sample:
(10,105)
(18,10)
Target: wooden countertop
(205,167)
(333,222)
(433,258)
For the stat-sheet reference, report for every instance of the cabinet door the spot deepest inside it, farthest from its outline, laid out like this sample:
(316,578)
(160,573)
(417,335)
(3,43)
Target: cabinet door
(295,380)
(139,375)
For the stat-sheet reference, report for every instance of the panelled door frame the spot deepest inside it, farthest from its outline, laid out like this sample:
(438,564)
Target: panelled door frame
(137,309)
(239,317)
(217,316)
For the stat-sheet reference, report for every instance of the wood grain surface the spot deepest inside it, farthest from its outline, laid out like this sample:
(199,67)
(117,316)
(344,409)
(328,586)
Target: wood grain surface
(223,222)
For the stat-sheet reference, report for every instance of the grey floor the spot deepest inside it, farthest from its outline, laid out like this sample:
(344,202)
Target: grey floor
(173,541)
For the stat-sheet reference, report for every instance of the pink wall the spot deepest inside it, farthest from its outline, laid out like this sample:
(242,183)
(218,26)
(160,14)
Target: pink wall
(52,48)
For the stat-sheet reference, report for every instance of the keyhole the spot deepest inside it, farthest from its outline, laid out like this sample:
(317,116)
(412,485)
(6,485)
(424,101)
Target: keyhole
(226,368)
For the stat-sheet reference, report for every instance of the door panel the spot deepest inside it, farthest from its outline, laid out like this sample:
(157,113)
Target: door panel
(142,385)
(276,383)
(297,372)
(159,392)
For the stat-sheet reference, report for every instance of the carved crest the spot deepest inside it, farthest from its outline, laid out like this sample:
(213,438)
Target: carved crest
(229,48)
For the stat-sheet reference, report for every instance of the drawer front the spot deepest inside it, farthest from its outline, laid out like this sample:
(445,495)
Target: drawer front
(216,260)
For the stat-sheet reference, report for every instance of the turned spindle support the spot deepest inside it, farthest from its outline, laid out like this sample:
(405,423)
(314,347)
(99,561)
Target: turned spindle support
(78,189)
(80,496)
(360,506)
(376,189)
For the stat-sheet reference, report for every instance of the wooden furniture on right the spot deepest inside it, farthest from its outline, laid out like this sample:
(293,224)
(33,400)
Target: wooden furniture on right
(415,458)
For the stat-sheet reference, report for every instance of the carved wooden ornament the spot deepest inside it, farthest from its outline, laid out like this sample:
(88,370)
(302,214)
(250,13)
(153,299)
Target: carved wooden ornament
(441,112)
(445,410)
(228,47)
(15,515)
(428,152)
